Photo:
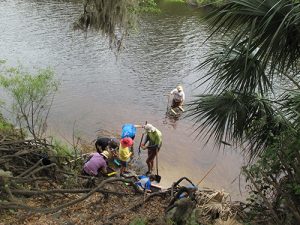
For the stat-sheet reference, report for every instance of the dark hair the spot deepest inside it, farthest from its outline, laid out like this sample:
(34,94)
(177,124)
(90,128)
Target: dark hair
(152,177)
(114,143)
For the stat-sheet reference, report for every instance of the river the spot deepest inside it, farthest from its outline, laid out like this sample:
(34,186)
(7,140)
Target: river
(101,90)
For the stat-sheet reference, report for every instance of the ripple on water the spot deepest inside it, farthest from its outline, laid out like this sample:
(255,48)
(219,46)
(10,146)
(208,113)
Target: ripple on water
(102,91)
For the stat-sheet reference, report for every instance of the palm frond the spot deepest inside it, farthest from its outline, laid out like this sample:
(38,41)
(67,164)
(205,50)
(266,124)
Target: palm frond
(271,26)
(220,114)
(235,69)
(236,118)
(290,105)
(263,132)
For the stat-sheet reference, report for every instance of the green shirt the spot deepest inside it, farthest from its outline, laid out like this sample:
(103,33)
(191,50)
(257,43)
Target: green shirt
(154,138)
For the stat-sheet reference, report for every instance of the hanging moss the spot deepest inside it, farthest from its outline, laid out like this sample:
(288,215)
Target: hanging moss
(113,18)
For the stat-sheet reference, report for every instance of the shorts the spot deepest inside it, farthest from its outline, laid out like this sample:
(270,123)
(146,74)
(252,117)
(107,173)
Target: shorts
(152,153)
(123,163)
(176,104)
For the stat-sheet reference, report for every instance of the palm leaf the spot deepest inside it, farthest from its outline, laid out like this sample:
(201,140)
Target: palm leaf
(236,118)
(290,105)
(235,69)
(271,26)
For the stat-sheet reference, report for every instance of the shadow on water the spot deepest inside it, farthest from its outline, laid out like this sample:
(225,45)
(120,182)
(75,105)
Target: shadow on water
(172,116)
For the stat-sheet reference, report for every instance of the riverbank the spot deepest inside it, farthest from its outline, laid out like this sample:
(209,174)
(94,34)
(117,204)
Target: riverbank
(90,98)
(40,184)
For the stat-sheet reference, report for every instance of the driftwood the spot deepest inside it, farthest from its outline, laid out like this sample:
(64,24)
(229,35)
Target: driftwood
(13,205)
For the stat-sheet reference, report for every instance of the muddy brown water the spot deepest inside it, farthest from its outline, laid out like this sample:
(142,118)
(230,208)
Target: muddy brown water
(100,91)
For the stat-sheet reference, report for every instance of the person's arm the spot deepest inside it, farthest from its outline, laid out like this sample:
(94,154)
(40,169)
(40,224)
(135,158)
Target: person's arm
(148,186)
(138,126)
(137,178)
(104,170)
(126,153)
(173,91)
(143,145)
(183,97)
(114,153)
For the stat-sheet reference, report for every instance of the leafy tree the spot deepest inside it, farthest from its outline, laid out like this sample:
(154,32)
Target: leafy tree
(253,99)
(32,96)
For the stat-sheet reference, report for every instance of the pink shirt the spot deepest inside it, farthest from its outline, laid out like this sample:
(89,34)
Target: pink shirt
(95,163)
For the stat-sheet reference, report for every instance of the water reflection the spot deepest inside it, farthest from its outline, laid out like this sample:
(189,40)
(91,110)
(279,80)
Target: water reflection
(102,92)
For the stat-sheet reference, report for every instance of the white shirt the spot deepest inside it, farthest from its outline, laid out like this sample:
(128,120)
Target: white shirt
(178,96)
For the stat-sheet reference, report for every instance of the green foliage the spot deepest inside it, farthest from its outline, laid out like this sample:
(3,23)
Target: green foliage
(210,2)
(70,182)
(5,126)
(275,180)
(267,29)
(139,221)
(148,6)
(175,1)
(254,100)
(62,150)
(261,51)
(113,18)
(32,97)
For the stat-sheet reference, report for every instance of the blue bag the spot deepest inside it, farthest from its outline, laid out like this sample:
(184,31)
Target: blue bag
(128,130)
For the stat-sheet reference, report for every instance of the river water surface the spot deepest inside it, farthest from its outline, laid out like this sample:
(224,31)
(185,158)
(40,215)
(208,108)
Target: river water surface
(100,91)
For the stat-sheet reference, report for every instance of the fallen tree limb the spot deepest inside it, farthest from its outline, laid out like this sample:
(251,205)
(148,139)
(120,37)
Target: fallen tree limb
(64,191)
(40,168)
(31,168)
(7,158)
(140,203)
(25,180)
(11,205)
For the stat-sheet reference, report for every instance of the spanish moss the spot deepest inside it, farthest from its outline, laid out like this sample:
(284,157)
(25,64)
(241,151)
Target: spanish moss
(113,18)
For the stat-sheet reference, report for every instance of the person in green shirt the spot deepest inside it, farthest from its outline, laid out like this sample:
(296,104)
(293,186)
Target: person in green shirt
(152,143)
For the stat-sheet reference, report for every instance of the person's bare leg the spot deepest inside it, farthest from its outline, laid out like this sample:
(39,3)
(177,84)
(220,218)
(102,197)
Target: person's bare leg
(149,165)
(122,170)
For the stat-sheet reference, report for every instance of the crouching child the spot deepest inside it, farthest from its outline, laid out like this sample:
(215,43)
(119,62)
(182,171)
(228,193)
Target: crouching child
(144,182)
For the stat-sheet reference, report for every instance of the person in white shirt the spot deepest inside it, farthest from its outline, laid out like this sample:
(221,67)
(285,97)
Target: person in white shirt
(178,96)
